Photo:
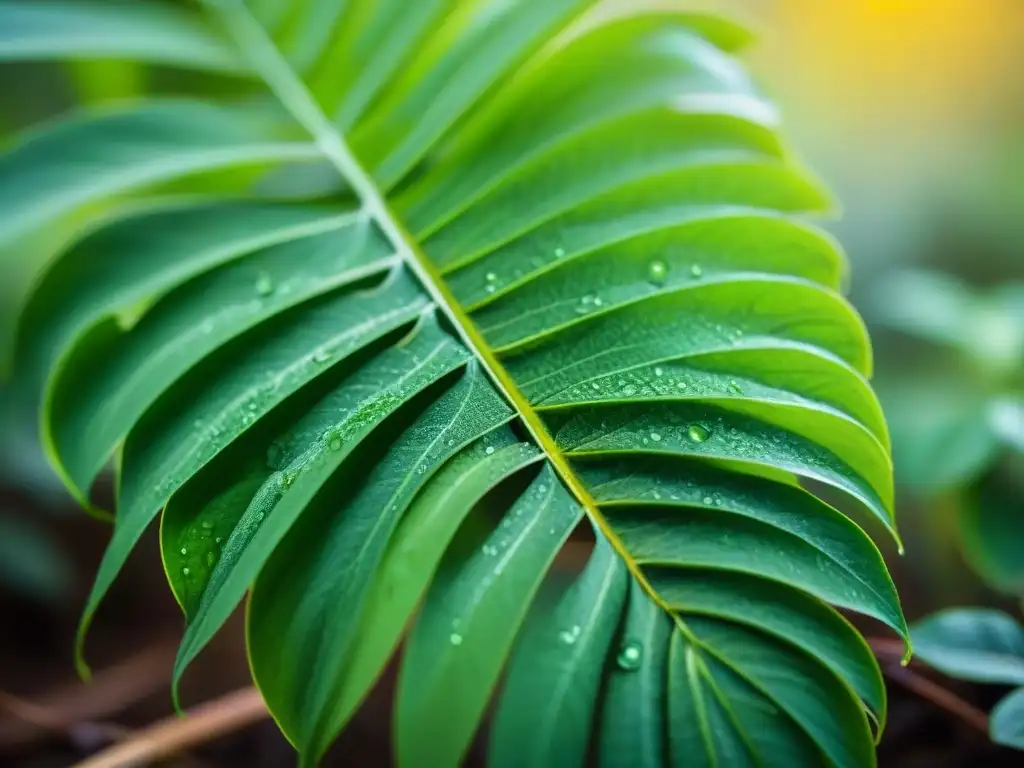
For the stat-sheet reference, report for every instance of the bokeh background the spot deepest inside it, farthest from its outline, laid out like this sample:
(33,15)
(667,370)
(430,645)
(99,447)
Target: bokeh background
(912,111)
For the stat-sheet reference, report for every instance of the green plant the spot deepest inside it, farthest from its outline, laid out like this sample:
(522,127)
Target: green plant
(424,287)
(959,435)
(983,646)
(958,415)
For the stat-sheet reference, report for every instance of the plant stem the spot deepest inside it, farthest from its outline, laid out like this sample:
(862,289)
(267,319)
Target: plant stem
(890,652)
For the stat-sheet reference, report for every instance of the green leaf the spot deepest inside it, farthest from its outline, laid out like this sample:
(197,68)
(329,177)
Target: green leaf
(1007,722)
(91,414)
(632,724)
(977,644)
(992,529)
(694,431)
(547,706)
(783,612)
(692,515)
(470,617)
(415,550)
(198,418)
(794,684)
(719,718)
(300,670)
(52,171)
(302,461)
(423,288)
(156,33)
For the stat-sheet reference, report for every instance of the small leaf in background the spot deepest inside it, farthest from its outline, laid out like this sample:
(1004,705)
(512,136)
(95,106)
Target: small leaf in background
(1006,725)
(941,435)
(991,518)
(976,644)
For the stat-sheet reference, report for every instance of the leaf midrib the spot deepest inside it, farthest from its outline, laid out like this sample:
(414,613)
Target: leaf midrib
(287,86)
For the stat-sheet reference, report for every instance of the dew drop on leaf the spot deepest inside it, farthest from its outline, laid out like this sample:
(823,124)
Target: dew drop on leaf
(657,271)
(321,356)
(696,271)
(185,571)
(567,637)
(697,433)
(559,253)
(489,450)
(335,444)
(630,656)
(455,638)
(264,285)
(184,551)
(655,437)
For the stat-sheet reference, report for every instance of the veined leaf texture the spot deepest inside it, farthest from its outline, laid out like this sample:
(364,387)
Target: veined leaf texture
(493,325)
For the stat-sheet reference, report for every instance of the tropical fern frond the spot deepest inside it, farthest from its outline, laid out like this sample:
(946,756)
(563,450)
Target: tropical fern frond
(422,288)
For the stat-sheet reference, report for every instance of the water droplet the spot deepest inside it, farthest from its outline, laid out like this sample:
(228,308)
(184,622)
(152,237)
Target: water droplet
(630,656)
(567,637)
(217,540)
(455,638)
(559,253)
(259,517)
(629,390)
(696,271)
(335,444)
(207,525)
(264,285)
(185,571)
(321,356)
(659,371)
(657,271)
(697,433)
(184,551)
(708,500)
(490,289)
(655,437)
(489,450)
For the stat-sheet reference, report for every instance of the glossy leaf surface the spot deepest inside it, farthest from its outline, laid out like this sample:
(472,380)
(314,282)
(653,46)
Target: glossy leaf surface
(431,285)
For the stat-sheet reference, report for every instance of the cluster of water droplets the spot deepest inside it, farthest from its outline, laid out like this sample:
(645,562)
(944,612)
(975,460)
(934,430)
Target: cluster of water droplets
(202,547)
(589,302)
(571,635)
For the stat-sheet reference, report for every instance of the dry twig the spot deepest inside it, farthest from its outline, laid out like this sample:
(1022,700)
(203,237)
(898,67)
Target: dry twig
(890,652)
(173,734)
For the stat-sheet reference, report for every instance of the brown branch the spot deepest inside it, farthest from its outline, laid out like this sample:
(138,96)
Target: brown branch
(173,734)
(943,698)
(70,705)
(41,720)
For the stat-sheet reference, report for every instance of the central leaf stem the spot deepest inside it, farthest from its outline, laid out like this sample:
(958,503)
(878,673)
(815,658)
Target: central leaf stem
(275,71)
